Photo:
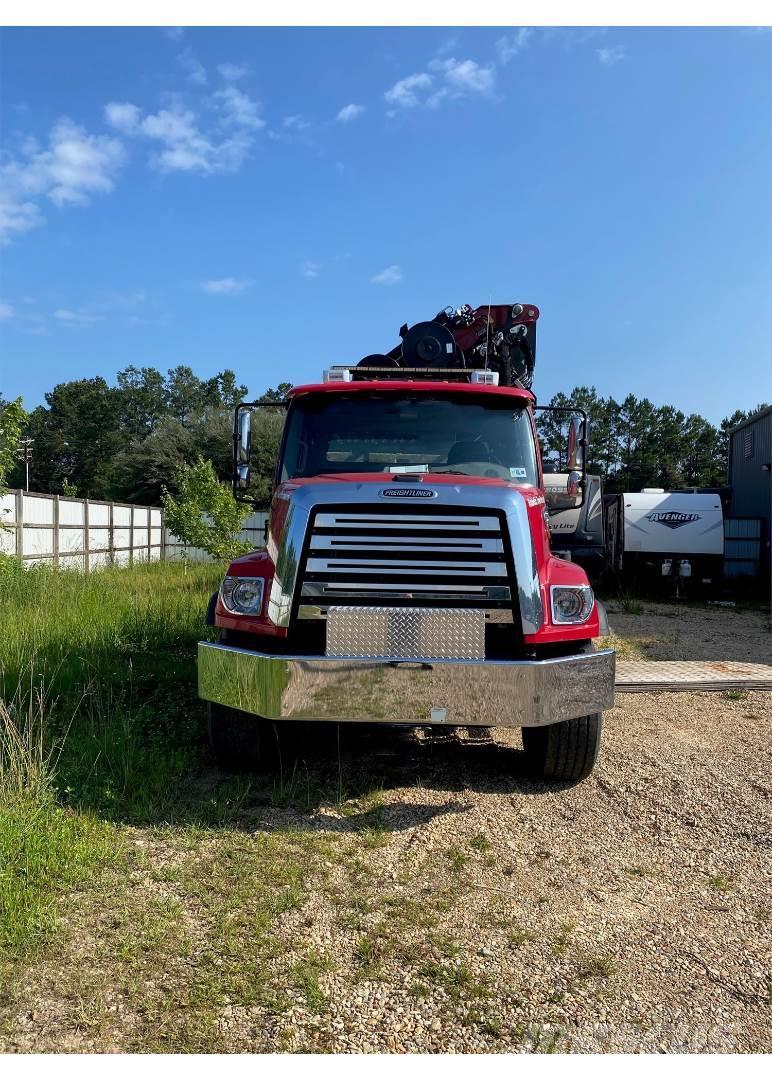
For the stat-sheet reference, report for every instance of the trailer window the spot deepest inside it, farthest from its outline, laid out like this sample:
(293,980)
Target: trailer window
(400,433)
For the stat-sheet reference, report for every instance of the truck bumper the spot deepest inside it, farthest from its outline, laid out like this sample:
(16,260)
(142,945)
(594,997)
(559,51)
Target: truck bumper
(490,693)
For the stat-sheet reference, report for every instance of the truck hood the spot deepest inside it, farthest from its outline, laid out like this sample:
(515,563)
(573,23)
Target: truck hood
(406,479)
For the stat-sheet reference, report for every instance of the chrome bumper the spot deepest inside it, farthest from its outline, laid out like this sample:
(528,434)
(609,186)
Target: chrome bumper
(491,693)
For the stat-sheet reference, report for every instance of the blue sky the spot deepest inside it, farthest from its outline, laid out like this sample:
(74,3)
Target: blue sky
(278,200)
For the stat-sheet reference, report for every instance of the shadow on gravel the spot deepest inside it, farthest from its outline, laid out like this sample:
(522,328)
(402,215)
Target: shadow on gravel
(321,780)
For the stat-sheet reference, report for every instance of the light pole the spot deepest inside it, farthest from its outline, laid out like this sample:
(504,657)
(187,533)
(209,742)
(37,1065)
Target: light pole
(24,453)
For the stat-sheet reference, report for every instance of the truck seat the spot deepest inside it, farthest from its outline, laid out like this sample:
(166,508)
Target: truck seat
(469,450)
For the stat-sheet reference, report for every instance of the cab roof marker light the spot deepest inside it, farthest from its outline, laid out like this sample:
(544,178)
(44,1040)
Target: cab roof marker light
(485,378)
(337,375)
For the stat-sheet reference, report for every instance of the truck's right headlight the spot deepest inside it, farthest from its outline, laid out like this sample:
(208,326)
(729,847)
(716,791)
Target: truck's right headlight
(243,595)
(571,603)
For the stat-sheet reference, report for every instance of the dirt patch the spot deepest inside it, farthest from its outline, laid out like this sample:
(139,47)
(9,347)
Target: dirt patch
(691,632)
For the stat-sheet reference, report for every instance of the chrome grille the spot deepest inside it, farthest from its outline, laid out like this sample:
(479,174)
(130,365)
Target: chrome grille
(445,558)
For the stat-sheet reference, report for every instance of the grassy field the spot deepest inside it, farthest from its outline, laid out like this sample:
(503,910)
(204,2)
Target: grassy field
(98,722)
(381,893)
(103,756)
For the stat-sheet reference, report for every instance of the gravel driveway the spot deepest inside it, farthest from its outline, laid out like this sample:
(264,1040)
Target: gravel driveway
(631,912)
(452,905)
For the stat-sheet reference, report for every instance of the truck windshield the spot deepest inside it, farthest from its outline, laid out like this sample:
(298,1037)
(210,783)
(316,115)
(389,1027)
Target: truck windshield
(345,433)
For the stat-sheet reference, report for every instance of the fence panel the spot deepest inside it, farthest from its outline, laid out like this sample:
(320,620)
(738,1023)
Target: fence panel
(86,534)
(79,534)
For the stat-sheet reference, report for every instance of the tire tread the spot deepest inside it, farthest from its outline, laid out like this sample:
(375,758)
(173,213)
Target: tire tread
(565,751)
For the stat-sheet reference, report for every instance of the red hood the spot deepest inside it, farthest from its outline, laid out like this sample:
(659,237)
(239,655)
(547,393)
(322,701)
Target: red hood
(401,386)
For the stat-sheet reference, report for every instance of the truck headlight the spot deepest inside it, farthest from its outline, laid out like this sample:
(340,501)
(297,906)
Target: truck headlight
(571,603)
(243,595)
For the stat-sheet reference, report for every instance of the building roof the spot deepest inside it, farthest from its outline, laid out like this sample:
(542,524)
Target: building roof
(751,419)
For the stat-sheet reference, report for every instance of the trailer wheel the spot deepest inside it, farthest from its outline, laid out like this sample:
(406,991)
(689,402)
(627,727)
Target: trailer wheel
(565,751)
(241,742)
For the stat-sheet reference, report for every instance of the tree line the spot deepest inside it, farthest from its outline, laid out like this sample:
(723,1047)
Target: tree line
(635,443)
(128,442)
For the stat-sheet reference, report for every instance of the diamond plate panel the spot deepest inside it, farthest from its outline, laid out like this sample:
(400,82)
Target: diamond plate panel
(406,633)
(673,675)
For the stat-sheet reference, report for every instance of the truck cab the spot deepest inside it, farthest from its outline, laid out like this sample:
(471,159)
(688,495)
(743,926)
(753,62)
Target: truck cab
(407,576)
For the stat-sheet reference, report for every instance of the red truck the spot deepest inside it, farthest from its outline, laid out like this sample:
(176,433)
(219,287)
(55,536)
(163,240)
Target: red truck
(407,577)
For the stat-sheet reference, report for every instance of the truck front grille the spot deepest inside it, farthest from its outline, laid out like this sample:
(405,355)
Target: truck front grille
(404,558)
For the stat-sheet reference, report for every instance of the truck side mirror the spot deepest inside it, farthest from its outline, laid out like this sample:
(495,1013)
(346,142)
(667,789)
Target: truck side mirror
(576,443)
(242,477)
(242,438)
(562,491)
(566,490)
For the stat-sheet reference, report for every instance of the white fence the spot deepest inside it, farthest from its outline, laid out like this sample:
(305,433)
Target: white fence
(84,534)
(81,534)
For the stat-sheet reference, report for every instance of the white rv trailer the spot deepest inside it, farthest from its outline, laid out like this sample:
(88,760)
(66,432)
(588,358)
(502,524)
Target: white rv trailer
(675,534)
(662,522)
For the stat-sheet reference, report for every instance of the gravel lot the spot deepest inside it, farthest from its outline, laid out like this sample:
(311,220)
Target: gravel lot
(455,906)
(672,632)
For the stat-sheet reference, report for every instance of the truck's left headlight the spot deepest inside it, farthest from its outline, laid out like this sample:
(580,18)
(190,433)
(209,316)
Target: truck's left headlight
(571,603)
(243,595)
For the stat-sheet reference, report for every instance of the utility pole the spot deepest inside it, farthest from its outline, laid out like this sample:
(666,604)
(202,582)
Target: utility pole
(24,453)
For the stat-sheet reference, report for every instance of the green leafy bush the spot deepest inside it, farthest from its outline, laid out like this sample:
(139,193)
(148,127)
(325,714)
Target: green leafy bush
(204,512)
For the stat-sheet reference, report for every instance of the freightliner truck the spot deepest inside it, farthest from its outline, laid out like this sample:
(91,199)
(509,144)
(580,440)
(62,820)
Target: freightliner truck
(407,576)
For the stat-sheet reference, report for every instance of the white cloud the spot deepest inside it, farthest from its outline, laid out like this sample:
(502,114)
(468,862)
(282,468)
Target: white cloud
(450,78)
(184,147)
(232,72)
(6,311)
(447,46)
(123,116)
(79,318)
(404,93)
(75,166)
(350,112)
(174,33)
(511,44)
(17,217)
(309,269)
(296,123)
(196,72)
(225,286)
(392,275)
(238,109)
(612,55)
(466,76)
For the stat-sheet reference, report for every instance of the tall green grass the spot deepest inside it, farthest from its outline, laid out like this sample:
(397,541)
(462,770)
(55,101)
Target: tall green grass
(110,660)
(99,721)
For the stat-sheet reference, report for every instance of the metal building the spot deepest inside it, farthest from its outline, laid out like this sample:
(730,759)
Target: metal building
(750,478)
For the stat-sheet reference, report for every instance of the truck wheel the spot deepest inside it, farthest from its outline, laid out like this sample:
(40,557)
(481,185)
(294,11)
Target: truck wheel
(241,742)
(564,751)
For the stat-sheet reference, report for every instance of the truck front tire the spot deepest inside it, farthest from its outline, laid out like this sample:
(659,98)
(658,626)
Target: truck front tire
(241,742)
(566,751)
